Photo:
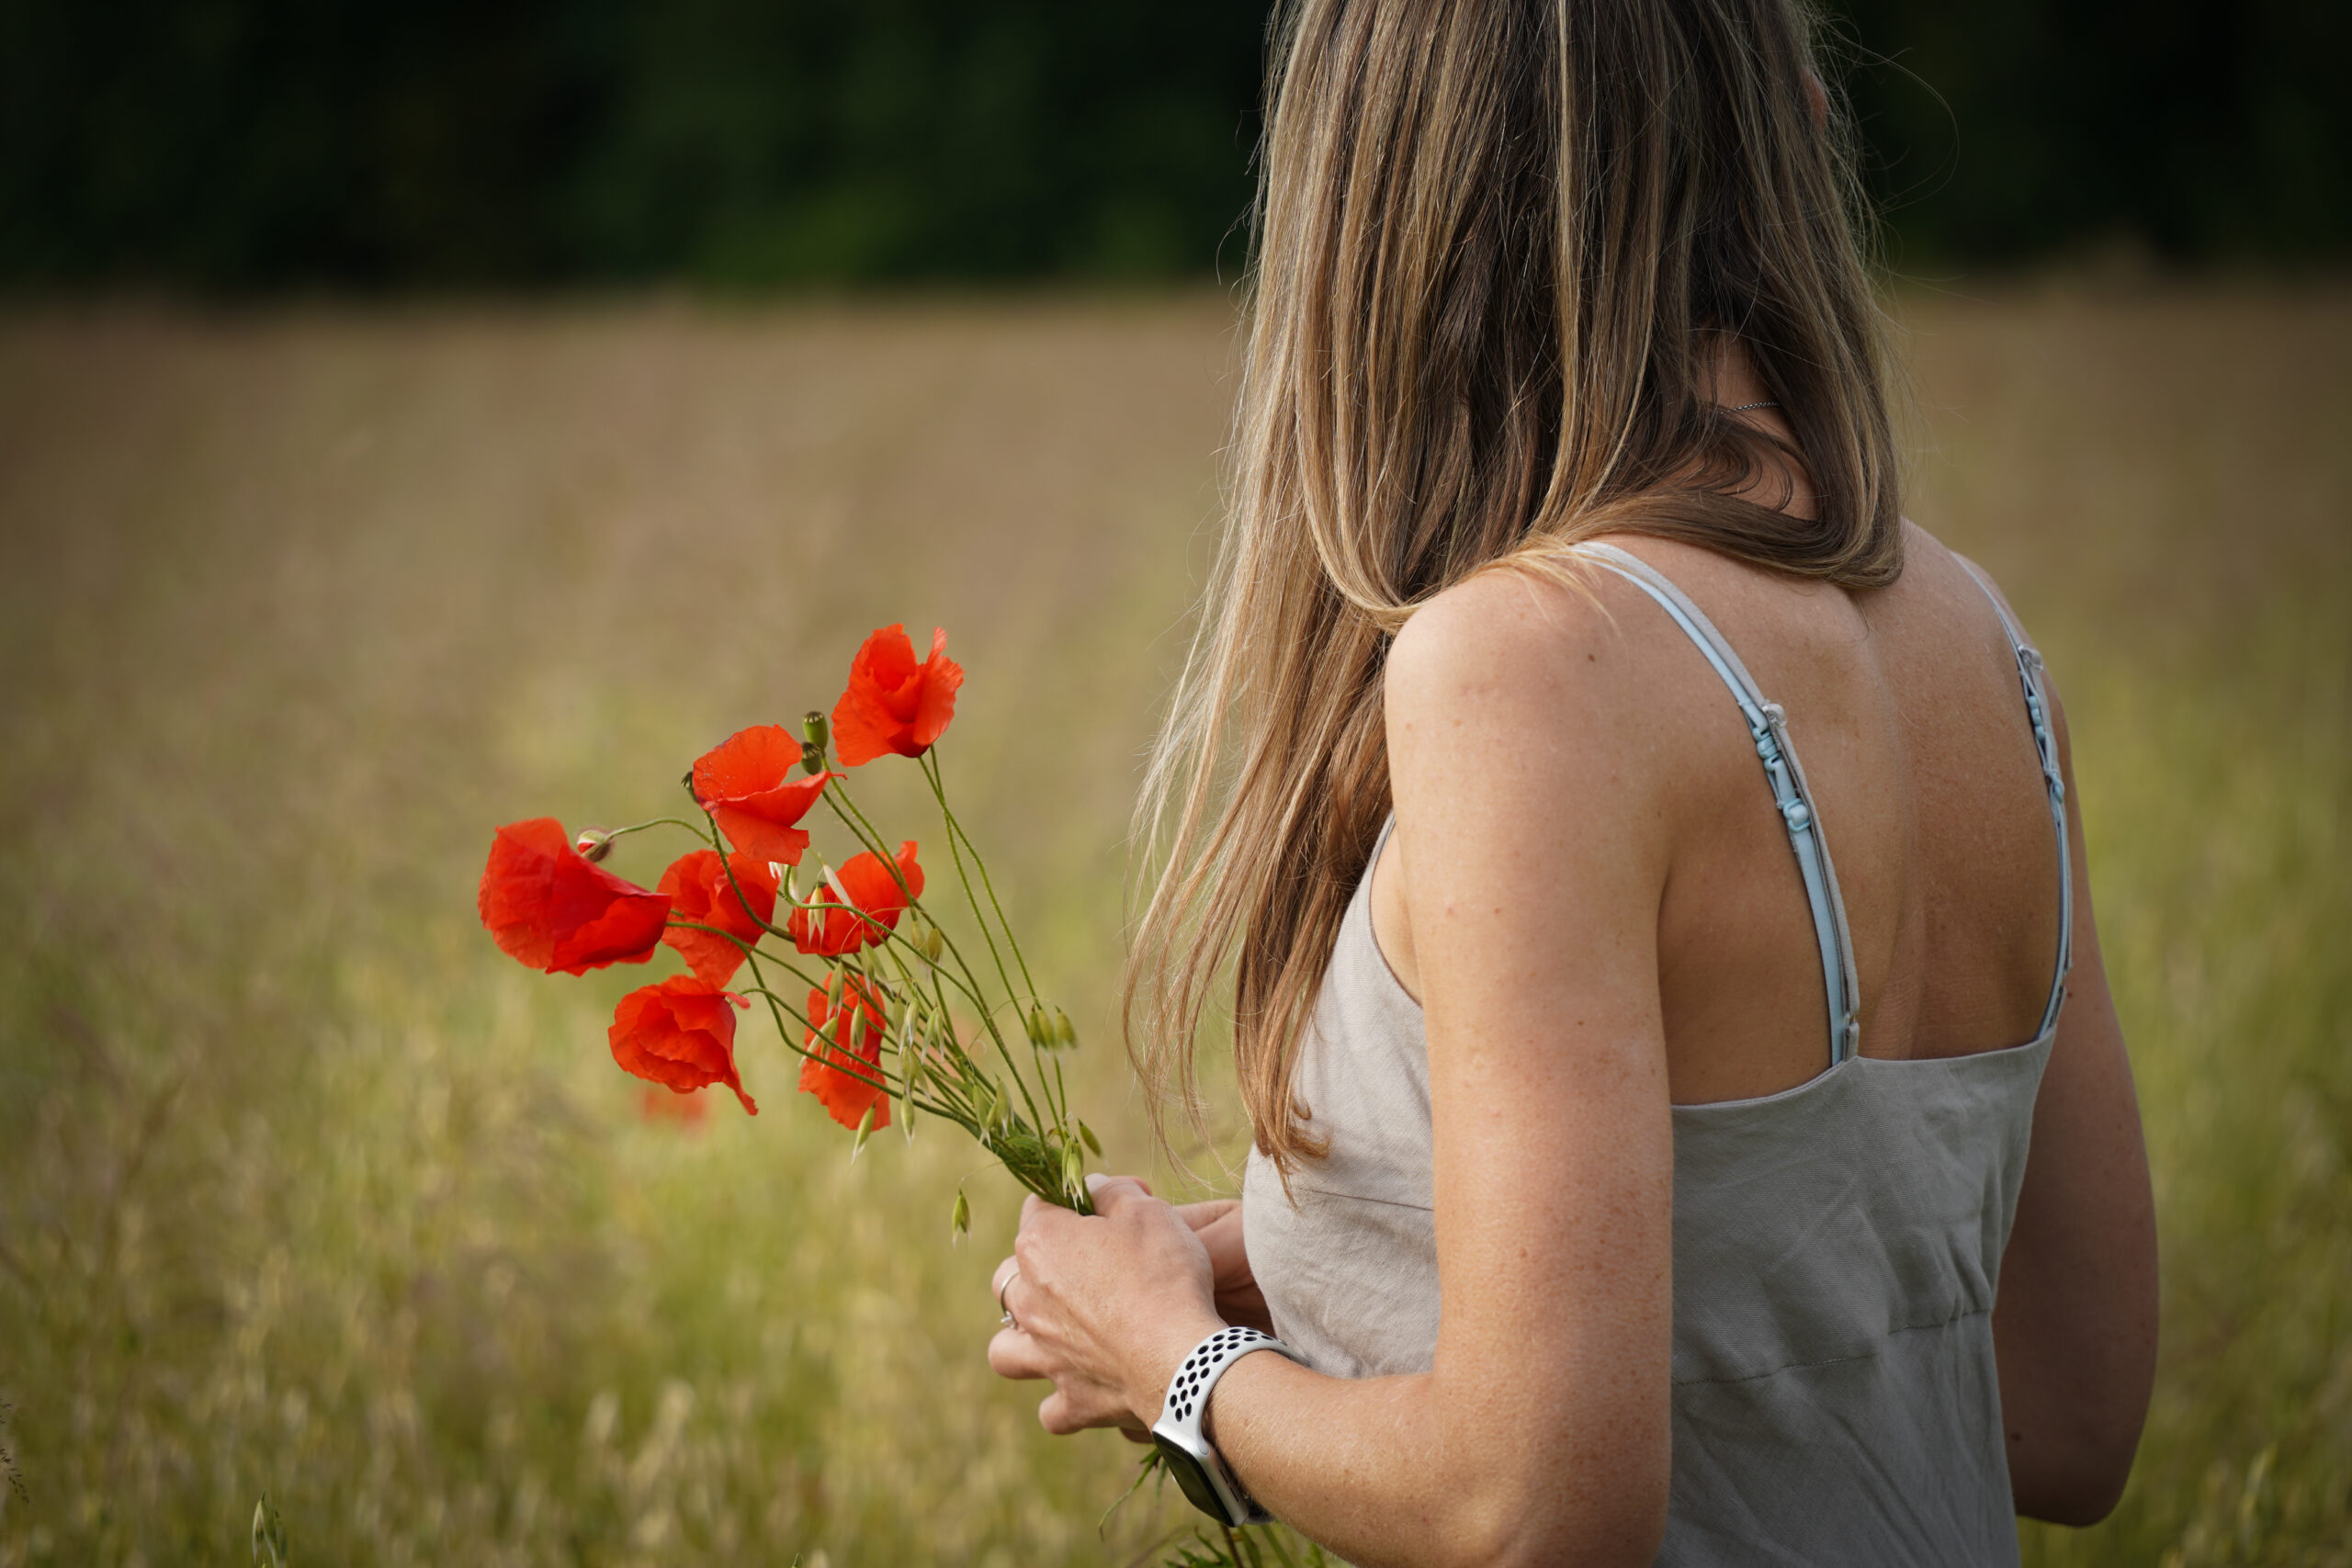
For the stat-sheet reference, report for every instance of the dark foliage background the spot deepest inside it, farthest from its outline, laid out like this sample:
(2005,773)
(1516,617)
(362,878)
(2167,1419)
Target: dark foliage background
(237,145)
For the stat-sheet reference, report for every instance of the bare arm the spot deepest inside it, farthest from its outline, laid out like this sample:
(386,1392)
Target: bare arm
(2074,1325)
(1542,1434)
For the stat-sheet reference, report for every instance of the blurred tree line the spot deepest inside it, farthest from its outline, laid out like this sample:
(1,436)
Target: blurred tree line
(247,144)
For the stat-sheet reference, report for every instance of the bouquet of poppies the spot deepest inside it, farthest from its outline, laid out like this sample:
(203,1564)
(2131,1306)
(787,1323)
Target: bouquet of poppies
(889,1014)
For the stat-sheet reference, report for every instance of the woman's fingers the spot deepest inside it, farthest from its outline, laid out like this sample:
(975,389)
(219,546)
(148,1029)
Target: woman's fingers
(1066,1410)
(1112,1194)
(1207,1212)
(1074,1405)
(1012,1354)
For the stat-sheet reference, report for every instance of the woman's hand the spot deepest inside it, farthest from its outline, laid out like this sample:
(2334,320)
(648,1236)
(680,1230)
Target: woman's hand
(1104,1305)
(1218,1225)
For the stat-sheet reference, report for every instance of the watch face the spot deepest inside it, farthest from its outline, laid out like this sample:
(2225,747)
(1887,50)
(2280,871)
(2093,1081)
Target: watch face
(1191,1475)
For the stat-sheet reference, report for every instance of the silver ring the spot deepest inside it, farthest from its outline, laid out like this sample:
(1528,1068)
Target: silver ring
(1008,1320)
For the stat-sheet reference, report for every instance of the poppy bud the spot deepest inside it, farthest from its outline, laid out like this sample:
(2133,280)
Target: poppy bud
(593,845)
(1092,1143)
(1065,1036)
(813,731)
(959,1223)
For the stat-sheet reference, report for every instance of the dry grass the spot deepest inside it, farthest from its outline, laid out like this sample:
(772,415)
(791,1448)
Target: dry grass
(303,1187)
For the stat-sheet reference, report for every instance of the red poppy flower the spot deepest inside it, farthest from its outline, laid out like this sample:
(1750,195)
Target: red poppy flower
(699,891)
(746,784)
(548,907)
(826,926)
(850,1039)
(894,704)
(680,1034)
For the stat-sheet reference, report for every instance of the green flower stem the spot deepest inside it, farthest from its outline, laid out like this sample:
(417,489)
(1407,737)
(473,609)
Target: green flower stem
(709,838)
(967,1066)
(844,806)
(1031,1149)
(929,763)
(914,983)
(727,864)
(955,853)
(748,949)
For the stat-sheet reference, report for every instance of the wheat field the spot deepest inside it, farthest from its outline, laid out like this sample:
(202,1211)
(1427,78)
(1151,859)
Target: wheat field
(304,1188)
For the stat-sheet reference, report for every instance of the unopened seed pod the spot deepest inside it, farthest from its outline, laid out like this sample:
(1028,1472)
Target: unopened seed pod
(813,729)
(1092,1143)
(959,1223)
(1073,1170)
(812,760)
(1041,1033)
(1065,1035)
(934,944)
(865,1129)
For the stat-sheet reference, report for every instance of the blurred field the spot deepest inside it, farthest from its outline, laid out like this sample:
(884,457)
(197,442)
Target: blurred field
(304,1187)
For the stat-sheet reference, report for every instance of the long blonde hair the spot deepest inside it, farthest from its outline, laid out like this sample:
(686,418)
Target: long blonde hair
(1499,246)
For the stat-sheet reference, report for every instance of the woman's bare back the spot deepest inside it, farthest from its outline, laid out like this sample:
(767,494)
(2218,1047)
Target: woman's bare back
(1905,706)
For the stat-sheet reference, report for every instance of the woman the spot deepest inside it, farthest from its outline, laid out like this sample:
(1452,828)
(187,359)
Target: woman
(1630,1180)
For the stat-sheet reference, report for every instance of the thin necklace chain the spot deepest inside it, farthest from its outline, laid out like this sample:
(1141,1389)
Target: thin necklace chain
(1767,403)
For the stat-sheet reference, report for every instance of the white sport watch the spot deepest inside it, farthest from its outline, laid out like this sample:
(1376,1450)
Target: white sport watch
(1177,1433)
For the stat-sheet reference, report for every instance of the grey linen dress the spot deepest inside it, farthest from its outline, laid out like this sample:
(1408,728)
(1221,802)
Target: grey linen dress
(1836,1246)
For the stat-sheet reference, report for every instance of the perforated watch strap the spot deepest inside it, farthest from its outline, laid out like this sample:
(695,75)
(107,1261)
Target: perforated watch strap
(1189,1390)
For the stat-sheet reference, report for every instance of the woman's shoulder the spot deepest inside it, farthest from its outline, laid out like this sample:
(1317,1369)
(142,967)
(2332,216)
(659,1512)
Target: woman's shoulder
(1546,663)
(1553,651)
(1567,636)
(1537,638)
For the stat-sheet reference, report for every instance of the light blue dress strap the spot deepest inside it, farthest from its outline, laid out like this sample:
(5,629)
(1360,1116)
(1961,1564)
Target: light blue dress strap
(2054,778)
(1768,728)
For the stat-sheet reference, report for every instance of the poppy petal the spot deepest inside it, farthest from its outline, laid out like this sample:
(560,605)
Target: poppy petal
(745,764)
(759,837)
(547,905)
(702,891)
(943,678)
(846,1051)
(681,1034)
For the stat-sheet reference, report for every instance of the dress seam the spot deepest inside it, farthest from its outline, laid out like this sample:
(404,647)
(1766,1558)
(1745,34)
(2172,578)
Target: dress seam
(1837,1360)
(1363,1198)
